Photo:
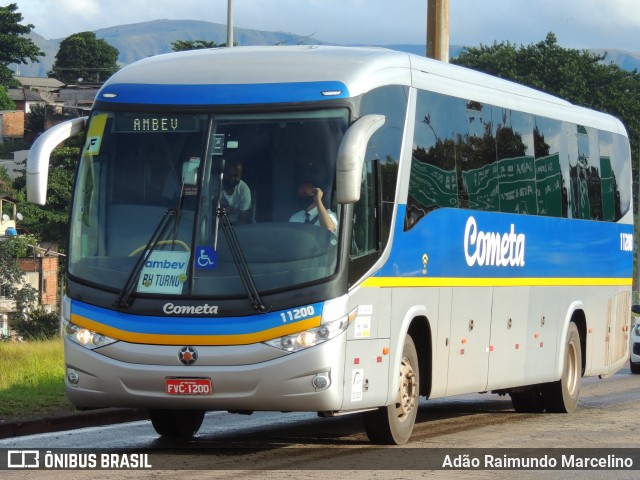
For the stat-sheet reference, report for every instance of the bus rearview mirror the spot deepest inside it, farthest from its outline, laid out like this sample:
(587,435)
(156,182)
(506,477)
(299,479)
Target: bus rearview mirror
(351,157)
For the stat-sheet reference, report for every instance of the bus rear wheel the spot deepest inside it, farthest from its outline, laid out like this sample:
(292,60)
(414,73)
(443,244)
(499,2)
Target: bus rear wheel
(176,423)
(393,424)
(562,396)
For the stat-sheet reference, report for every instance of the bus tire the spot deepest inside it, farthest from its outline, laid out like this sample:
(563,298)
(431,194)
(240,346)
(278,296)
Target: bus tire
(562,396)
(176,423)
(529,401)
(393,424)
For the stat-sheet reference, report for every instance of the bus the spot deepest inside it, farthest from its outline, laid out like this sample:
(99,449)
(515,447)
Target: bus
(482,239)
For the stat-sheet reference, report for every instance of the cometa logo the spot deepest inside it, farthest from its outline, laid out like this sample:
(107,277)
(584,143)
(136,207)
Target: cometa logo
(493,248)
(206,309)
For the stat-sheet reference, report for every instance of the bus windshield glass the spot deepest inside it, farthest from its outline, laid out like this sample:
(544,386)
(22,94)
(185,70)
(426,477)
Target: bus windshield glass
(180,204)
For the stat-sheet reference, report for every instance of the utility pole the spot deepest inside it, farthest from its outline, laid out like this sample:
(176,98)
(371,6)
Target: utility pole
(229,23)
(438,29)
(636,233)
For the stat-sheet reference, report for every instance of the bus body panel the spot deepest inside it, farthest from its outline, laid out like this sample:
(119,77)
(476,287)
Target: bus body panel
(508,345)
(539,304)
(366,375)
(514,347)
(469,340)
(228,77)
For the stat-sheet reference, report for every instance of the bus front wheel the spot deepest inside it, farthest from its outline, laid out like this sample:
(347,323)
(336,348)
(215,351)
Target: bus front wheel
(176,423)
(392,425)
(562,396)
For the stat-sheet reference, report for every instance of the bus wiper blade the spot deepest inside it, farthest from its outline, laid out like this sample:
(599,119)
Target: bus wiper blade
(240,261)
(123,300)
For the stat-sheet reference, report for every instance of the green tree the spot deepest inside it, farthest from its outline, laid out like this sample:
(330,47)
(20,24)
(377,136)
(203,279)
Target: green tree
(34,122)
(581,77)
(15,47)
(37,324)
(82,55)
(11,276)
(184,45)
(49,222)
(5,101)
(5,183)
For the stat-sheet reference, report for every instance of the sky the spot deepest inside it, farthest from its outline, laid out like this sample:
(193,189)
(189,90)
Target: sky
(607,24)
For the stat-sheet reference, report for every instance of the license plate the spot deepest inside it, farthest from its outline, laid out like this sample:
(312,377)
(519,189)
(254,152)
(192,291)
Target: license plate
(188,386)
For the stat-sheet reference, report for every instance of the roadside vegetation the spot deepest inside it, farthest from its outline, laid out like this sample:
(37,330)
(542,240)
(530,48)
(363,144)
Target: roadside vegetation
(32,379)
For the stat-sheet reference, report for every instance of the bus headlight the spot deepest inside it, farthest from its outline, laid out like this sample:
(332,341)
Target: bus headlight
(86,338)
(311,337)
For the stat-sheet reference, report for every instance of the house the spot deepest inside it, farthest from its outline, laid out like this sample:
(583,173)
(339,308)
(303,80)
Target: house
(46,87)
(25,99)
(75,97)
(79,98)
(41,272)
(11,124)
(40,269)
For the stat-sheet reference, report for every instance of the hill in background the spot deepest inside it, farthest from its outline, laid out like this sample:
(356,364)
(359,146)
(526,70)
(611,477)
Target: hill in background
(141,40)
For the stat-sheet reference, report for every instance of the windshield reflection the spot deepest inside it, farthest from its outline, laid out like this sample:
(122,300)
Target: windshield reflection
(250,166)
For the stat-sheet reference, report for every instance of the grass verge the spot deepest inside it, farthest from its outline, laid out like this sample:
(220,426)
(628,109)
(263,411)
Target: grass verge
(32,379)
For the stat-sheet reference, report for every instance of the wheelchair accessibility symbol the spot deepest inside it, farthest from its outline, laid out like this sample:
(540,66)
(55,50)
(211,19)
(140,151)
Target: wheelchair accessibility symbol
(206,258)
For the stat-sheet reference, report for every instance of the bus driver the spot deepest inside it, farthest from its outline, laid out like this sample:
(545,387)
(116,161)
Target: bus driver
(312,209)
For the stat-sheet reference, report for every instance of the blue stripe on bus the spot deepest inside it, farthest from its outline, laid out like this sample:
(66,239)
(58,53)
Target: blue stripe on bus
(154,94)
(599,250)
(204,325)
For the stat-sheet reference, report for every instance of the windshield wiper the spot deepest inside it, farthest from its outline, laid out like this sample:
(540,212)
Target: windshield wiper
(123,300)
(240,261)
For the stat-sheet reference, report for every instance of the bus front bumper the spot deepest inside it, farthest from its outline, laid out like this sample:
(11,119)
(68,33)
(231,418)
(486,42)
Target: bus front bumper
(289,382)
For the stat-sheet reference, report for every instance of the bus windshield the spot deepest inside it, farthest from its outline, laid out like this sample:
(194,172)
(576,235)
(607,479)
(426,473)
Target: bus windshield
(155,191)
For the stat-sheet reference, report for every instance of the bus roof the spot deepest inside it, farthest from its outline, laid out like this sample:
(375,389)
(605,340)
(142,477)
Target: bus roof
(255,75)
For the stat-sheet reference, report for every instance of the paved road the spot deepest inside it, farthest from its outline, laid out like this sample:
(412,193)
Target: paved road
(245,446)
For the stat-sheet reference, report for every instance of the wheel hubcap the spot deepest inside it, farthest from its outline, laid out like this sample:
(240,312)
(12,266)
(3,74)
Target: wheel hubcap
(408,390)
(572,369)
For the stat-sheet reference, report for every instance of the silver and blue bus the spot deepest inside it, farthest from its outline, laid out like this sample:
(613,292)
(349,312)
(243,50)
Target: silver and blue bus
(482,243)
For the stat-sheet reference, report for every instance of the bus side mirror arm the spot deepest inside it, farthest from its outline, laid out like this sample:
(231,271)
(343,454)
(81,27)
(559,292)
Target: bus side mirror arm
(351,157)
(38,158)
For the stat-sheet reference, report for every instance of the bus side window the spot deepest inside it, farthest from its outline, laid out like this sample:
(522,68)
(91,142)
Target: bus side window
(365,234)
(433,182)
(615,194)
(384,147)
(551,176)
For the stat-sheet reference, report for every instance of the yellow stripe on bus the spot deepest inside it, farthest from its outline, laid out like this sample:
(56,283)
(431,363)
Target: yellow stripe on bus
(492,282)
(210,340)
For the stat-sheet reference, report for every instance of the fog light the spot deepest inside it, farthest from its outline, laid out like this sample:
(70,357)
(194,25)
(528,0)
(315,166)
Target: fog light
(320,382)
(73,377)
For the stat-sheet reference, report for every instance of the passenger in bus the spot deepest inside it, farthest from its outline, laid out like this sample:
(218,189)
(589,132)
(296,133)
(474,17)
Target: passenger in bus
(313,210)
(236,194)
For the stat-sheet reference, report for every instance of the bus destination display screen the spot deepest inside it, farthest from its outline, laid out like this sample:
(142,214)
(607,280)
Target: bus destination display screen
(155,123)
